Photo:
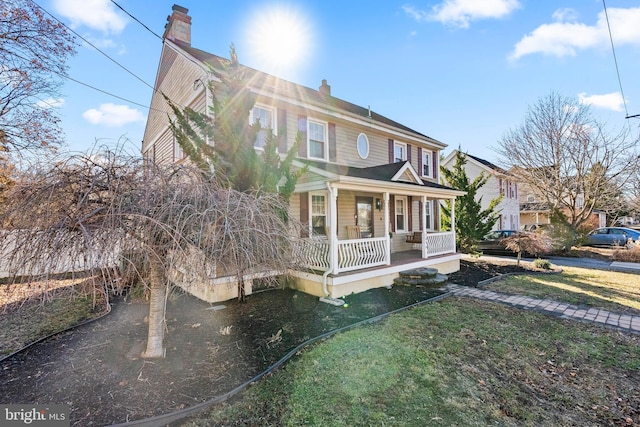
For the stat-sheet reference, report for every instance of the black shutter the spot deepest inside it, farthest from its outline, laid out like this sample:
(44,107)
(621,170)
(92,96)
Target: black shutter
(302,129)
(333,155)
(282,131)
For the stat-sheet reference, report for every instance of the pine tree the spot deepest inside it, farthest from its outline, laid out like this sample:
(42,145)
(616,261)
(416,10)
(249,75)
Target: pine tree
(221,141)
(472,222)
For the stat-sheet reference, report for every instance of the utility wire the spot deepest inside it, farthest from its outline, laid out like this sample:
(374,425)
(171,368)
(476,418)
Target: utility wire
(615,60)
(136,19)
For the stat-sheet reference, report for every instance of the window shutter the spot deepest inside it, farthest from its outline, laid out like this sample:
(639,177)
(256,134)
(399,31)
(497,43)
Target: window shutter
(333,155)
(434,160)
(435,207)
(302,128)
(304,214)
(409,153)
(392,208)
(390,150)
(420,208)
(282,131)
(420,162)
(409,214)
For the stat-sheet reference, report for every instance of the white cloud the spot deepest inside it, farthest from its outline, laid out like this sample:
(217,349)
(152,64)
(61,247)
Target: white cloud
(609,101)
(460,13)
(50,103)
(112,115)
(566,37)
(96,14)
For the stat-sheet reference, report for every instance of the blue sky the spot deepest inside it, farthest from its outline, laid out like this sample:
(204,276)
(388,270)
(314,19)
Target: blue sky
(460,71)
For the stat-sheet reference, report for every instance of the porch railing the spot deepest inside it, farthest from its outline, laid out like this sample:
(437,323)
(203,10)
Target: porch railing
(313,253)
(439,244)
(361,253)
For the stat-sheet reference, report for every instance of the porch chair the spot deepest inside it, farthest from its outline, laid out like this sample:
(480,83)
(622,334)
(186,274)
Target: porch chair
(353,232)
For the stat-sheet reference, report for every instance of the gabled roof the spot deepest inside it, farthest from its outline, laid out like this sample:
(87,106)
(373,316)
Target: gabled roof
(488,164)
(272,84)
(391,172)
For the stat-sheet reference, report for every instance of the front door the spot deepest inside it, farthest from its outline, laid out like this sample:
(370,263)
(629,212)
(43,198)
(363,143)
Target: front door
(364,216)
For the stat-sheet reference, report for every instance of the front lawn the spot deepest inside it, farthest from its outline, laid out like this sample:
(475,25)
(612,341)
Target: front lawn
(613,291)
(454,362)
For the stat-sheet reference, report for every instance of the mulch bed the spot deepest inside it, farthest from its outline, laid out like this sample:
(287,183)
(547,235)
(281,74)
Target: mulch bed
(210,349)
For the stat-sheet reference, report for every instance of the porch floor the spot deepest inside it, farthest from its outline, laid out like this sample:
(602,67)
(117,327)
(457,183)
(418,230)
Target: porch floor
(397,259)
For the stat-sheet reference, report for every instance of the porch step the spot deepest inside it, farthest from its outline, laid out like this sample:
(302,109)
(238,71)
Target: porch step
(421,277)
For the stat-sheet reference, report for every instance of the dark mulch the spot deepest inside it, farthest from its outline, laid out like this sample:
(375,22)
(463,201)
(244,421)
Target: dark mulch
(210,349)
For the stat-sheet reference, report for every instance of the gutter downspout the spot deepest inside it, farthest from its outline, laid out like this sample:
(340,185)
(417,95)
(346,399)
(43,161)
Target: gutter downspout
(333,206)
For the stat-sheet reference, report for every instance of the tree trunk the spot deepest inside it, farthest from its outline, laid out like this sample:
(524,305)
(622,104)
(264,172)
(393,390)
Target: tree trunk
(157,300)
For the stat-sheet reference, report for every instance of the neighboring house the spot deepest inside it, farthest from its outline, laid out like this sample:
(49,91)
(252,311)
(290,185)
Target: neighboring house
(534,211)
(500,183)
(369,200)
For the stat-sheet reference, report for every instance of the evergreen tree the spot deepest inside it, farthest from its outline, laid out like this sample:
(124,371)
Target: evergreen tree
(472,222)
(221,141)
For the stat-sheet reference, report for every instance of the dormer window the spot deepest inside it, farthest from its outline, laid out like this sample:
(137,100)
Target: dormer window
(266,117)
(317,139)
(399,152)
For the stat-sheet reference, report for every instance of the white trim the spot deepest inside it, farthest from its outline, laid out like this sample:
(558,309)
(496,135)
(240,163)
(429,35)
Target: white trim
(428,155)
(407,167)
(326,211)
(405,214)
(366,138)
(325,126)
(402,145)
(352,118)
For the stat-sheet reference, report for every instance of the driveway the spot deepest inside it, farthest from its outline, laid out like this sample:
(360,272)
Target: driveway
(596,264)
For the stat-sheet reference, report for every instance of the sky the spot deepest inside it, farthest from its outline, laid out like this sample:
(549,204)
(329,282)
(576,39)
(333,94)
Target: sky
(461,71)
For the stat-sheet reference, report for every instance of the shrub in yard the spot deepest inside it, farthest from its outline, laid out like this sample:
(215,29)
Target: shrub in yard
(543,264)
(627,255)
(528,243)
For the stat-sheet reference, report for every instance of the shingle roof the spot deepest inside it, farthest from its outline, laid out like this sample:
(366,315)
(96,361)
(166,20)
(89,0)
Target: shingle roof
(302,93)
(378,173)
(487,164)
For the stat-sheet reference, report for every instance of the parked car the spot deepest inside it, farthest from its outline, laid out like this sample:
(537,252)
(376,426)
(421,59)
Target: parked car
(613,236)
(493,242)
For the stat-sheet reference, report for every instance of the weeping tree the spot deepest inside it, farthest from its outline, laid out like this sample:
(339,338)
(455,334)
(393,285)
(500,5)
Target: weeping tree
(91,212)
(472,222)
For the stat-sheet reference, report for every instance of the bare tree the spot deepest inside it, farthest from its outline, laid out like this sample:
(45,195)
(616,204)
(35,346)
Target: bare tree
(567,158)
(88,212)
(535,244)
(34,51)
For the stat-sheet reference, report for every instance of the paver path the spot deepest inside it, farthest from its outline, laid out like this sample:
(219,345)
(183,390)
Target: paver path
(567,311)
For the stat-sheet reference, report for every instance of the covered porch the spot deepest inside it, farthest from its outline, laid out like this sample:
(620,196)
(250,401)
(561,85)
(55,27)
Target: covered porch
(359,233)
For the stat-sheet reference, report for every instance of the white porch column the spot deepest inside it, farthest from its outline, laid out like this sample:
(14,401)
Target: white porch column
(333,228)
(423,202)
(386,229)
(453,222)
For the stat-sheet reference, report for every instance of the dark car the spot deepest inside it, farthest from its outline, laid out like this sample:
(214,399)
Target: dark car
(613,236)
(493,242)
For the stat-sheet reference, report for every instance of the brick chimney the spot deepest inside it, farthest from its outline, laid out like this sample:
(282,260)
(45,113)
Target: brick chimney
(178,27)
(325,89)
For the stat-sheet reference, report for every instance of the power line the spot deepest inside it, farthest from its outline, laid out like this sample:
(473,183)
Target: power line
(136,19)
(615,61)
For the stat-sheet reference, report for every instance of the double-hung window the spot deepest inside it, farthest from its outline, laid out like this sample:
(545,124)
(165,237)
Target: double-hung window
(399,152)
(317,139)
(426,164)
(318,215)
(401,214)
(428,208)
(266,117)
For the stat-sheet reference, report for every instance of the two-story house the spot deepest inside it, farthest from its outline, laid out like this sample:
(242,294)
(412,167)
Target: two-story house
(369,199)
(499,183)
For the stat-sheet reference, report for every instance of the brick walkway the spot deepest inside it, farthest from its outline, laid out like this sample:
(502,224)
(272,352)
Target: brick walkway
(623,322)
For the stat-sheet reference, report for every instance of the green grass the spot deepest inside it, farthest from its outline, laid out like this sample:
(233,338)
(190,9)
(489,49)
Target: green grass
(614,291)
(455,362)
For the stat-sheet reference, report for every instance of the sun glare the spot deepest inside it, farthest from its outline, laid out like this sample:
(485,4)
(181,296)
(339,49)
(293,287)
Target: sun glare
(279,40)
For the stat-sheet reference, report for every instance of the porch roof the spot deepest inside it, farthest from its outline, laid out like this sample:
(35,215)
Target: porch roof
(377,178)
